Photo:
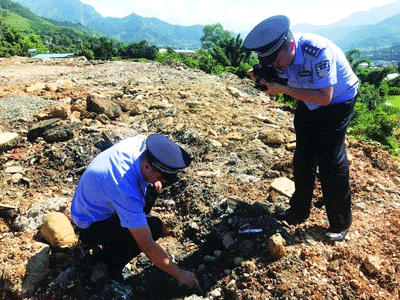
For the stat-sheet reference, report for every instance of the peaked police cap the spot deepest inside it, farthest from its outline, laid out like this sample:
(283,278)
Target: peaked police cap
(268,36)
(165,155)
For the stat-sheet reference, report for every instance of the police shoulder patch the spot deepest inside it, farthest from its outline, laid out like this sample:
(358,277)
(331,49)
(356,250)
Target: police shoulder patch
(322,68)
(310,50)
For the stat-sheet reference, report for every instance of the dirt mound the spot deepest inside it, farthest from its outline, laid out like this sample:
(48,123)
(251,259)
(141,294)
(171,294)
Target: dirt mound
(219,213)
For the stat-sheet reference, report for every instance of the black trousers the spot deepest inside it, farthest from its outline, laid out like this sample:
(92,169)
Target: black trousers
(119,246)
(320,141)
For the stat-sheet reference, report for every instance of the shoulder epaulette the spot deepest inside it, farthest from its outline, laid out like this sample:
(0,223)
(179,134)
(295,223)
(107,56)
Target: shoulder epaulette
(310,50)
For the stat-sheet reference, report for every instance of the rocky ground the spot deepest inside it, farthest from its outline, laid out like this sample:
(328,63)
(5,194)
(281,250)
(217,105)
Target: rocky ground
(56,115)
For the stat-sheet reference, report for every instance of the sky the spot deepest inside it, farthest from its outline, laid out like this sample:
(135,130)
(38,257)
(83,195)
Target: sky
(235,15)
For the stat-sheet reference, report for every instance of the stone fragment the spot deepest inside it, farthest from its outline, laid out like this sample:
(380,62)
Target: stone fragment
(60,111)
(227,240)
(15,178)
(61,133)
(138,109)
(14,169)
(201,268)
(291,146)
(216,293)
(22,277)
(35,87)
(37,269)
(249,267)
(215,143)
(40,128)
(272,136)
(284,186)
(100,105)
(372,264)
(9,140)
(217,253)
(334,265)
(33,218)
(238,261)
(102,118)
(58,231)
(276,246)
(234,92)
(51,87)
(227,271)
(246,246)
(208,259)
(76,117)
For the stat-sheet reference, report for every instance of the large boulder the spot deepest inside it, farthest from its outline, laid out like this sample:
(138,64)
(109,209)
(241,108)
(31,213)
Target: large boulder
(100,105)
(58,231)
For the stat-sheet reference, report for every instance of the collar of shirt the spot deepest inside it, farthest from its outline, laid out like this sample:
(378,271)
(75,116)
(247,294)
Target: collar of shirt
(141,182)
(298,57)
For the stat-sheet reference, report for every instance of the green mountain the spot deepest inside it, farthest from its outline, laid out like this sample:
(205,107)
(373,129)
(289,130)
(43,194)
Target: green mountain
(366,30)
(72,11)
(57,35)
(132,28)
(381,35)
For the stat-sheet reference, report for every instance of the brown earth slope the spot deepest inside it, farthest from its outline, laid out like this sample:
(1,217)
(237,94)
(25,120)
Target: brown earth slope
(241,141)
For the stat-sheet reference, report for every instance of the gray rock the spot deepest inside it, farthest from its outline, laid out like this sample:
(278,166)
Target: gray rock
(36,270)
(208,259)
(40,128)
(9,140)
(61,133)
(238,261)
(14,169)
(100,105)
(33,218)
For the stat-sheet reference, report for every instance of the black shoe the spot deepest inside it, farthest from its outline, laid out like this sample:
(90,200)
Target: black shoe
(333,235)
(290,217)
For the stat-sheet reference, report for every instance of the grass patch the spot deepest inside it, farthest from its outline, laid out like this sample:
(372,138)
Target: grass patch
(395,100)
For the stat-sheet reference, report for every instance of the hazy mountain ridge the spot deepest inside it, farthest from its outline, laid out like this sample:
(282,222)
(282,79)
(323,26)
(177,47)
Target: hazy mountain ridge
(132,28)
(62,10)
(376,28)
(366,30)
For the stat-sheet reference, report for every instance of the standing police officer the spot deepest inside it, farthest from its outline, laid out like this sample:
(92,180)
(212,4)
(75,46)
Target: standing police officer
(109,203)
(319,75)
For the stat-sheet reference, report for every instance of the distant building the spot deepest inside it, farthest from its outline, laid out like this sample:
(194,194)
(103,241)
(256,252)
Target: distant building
(31,52)
(53,55)
(392,76)
(162,50)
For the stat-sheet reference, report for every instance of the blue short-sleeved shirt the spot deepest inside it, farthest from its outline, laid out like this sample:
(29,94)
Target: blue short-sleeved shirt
(319,63)
(113,184)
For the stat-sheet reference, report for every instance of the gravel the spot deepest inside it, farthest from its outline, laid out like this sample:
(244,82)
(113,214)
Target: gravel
(17,107)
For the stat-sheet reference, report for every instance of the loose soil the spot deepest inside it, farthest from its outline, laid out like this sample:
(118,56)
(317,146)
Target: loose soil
(220,120)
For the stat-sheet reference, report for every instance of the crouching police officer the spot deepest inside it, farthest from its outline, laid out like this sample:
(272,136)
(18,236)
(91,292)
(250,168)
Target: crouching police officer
(319,75)
(108,204)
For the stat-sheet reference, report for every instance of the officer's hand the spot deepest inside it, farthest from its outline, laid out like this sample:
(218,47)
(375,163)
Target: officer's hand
(157,186)
(189,280)
(273,88)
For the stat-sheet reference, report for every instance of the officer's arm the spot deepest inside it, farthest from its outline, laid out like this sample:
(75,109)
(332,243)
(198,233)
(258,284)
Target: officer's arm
(160,259)
(316,96)
(320,96)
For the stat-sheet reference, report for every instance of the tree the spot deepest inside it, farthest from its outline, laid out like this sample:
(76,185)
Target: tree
(353,56)
(33,41)
(11,41)
(213,35)
(226,51)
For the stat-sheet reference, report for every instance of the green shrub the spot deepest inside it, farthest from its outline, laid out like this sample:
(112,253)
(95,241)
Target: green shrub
(377,125)
(394,91)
